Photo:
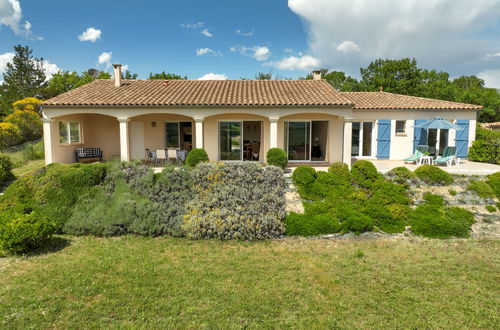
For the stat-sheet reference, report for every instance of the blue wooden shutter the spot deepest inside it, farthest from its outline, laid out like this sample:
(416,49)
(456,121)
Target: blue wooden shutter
(384,139)
(419,135)
(462,138)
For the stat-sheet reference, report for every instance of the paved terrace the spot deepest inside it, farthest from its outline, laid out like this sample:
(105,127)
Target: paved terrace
(465,167)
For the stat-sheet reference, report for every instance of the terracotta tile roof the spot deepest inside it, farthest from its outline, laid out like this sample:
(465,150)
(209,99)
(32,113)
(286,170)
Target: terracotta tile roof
(384,100)
(491,125)
(203,93)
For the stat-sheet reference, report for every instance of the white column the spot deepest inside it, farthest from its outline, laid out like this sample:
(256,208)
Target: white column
(347,142)
(273,132)
(124,140)
(199,132)
(47,140)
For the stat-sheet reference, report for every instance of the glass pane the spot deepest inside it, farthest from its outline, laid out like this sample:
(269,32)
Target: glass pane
(319,138)
(230,140)
(443,140)
(63,132)
(172,135)
(367,139)
(298,140)
(74,131)
(432,140)
(356,127)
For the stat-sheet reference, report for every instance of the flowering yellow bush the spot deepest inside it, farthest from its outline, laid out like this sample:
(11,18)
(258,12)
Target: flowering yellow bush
(28,122)
(9,135)
(29,103)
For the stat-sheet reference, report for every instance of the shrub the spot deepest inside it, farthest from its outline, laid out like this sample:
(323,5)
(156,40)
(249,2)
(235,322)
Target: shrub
(340,169)
(277,157)
(236,201)
(479,151)
(196,156)
(400,174)
(353,220)
(304,175)
(24,232)
(311,225)
(433,199)
(494,181)
(452,192)
(441,222)
(431,174)
(390,219)
(326,185)
(491,208)
(5,169)
(28,122)
(10,135)
(386,192)
(364,173)
(481,188)
(28,104)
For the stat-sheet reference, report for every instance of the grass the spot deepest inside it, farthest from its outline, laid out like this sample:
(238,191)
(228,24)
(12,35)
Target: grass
(141,282)
(28,167)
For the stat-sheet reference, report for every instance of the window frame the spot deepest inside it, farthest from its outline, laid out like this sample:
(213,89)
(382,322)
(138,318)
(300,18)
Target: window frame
(68,123)
(403,133)
(361,138)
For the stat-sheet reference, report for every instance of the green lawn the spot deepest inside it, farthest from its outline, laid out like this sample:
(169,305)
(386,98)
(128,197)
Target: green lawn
(156,283)
(29,167)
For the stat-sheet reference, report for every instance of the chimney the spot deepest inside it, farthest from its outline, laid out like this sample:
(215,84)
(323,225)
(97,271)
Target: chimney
(316,75)
(118,74)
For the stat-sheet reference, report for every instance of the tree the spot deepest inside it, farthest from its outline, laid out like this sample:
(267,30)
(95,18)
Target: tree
(166,76)
(129,75)
(63,82)
(24,77)
(339,80)
(264,76)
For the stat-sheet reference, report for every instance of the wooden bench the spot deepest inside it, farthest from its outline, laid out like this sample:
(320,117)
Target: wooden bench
(87,153)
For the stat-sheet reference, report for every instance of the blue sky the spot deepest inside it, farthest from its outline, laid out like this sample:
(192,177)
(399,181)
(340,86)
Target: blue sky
(237,38)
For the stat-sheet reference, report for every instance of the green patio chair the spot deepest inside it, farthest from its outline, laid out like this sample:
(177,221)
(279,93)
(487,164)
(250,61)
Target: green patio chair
(419,152)
(448,157)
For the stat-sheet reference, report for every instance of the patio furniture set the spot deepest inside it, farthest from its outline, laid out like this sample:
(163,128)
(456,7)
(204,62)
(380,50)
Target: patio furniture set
(163,156)
(421,156)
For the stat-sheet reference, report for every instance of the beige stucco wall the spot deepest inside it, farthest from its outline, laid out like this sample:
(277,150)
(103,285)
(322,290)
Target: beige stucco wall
(96,131)
(402,145)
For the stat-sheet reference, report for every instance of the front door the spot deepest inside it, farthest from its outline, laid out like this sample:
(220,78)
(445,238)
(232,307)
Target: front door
(137,140)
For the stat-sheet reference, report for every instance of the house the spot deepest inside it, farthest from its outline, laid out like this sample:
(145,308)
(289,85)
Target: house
(491,126)
(241,120)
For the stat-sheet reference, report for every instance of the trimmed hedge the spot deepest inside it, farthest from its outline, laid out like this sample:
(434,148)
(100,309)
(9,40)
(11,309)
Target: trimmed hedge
(364,173)
(20,233)
(239,200)
(277,157)
(196,156)
(304,175)
(431,174)
(340,169)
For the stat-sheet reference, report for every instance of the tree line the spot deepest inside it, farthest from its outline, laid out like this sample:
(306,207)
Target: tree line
(25,77)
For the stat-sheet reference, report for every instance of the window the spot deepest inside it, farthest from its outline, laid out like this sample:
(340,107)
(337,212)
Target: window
(69,132)
(400,126)
(361,143)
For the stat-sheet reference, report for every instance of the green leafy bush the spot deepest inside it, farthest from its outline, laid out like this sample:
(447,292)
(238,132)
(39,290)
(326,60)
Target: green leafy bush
(23,232)
(433,199)
(481,188)
(479,151)
(364,173)
(311,225)
(326,185)
(353,220)
(238,200)
(400,174)
(435,221)
(196,156)
(304,175)
(28,122)
(494,181)
(491,208)
(452,192)
(5,169)
(340,169)
(431,174)
(277,157)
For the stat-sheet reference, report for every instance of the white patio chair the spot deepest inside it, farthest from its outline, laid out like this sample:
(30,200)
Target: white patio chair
(161,156)
(172,154)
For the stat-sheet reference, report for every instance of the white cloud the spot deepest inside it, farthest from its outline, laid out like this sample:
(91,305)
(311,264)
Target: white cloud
(205,51)
(4,59)
(288,50)
(260,53)
(105,58)
(214,76)
(244,34)
(192,25)
(49,68)
(304,63)
(442,34)
(491,78)
(348,46)
(11,16)
(206,33)
(91,34)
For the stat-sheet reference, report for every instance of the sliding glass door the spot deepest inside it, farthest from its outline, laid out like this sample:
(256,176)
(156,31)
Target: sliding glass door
(306,140)
(361,144)
(230,140)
